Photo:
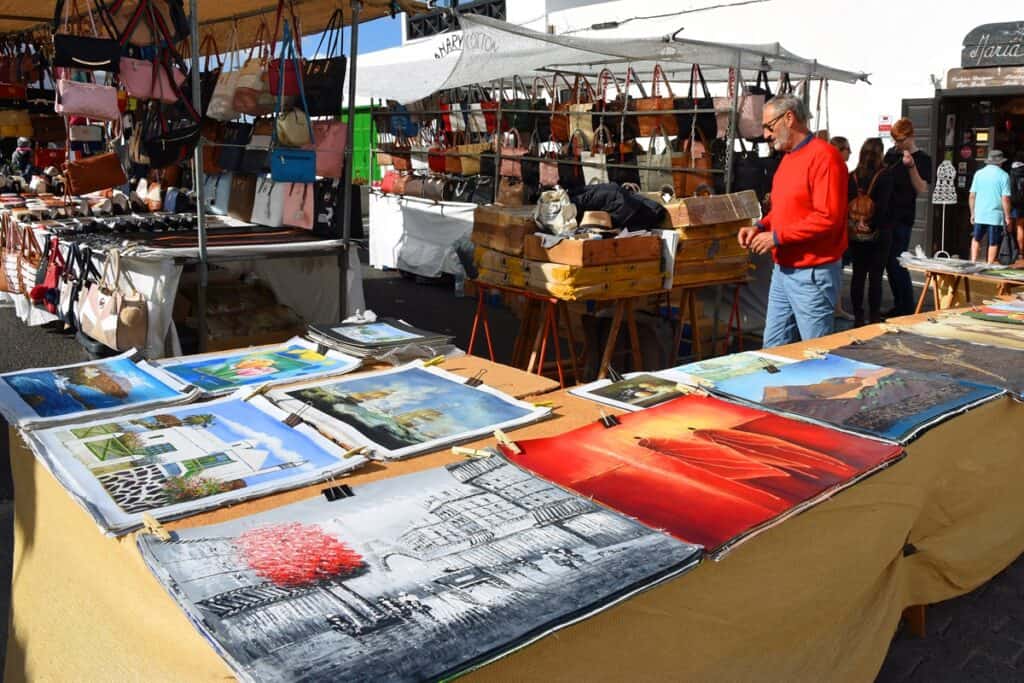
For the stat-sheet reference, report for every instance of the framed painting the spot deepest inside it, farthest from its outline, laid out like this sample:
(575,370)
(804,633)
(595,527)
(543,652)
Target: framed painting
(635,391)
(177,461)
(419,577)
(885,402)
(225,371)
(48,396)
(404,411)
(707,471)
(971,330)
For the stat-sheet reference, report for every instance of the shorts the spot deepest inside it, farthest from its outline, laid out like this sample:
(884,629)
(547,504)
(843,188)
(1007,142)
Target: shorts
(994,232)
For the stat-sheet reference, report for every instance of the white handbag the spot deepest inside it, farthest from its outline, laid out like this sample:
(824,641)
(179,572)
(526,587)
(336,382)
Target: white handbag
(222,101)
(655,166)
(85,133)
(217,193)
(268,206)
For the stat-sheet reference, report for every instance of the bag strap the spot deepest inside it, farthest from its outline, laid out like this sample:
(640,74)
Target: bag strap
(209,42)
(288,50)
(540,80)
(555,95)
(659,76)
(874,179)
(633,79)
(695,72)
(294,24)
(332,31)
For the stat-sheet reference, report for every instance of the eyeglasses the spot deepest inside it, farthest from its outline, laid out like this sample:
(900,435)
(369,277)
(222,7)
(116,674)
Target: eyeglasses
(770,126)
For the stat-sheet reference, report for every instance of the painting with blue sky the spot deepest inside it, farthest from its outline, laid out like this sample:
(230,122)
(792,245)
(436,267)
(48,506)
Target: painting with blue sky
(169,461)
(886,402)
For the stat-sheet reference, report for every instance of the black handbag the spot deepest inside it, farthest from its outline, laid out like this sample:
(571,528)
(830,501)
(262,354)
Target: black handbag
(89,53)
(570,172)
(324,78)
(530,168)
(463,190)
(208,77)
(236,137)
(483,191)
(257,159)
(705,122)
(327,209)
(171,132)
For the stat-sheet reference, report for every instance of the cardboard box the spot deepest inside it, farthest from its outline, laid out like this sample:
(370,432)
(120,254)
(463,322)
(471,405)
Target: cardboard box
(503,228)
(595,252)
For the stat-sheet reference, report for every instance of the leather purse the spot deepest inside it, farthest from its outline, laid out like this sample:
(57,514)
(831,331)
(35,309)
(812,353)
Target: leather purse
(256,155)
(436,155)
(706,122)
(399,183)
(580,117)
(452,159)
(595,159)
(511,192)
(208,77)
(252,88)
(243,196)
(548,168)
(293,165)
(148,80)
(324,77)
(89,100)
(387,183)
(570,173)
(49,156)
(30,256)
(222,100)
(10,281)
(87,53)
(268,202)
(285,73)
(483,191)
(648,123)
(401,154)
(300,205)
(656,171)
(540,118)
(560,126)
(328,207)
(98,172)
(167,143)
(119,319)
(436,188)
(511,156)
(693,155)
(414,186)
(213,133)
(235,137)
(331,138)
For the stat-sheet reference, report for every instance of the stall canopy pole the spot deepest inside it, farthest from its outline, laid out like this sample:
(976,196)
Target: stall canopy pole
(346,214)
(198,178)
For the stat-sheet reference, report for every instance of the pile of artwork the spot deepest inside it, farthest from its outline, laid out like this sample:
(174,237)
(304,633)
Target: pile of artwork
(961,327)
(374,338)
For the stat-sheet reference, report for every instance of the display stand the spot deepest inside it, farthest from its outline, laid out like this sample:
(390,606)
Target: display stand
(944,195)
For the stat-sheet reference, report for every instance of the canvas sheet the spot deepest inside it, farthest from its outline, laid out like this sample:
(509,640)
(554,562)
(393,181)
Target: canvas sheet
(710,372)
(226,371)
(970,330)
(404,411)
(178,461)
(885,402)
(706,471)
(990,365)
(1012,274)
(636,391)
(417,577)
(372,335)
(996,314)
(47,396)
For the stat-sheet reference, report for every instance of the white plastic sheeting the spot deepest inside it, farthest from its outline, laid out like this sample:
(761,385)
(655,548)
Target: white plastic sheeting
(417,236)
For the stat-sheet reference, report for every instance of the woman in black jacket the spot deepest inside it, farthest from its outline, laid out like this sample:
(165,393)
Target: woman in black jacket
(870,239)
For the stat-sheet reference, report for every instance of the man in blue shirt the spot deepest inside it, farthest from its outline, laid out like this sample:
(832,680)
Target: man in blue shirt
(990,205)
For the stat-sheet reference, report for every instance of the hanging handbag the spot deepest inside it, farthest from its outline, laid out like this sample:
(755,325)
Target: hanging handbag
(87,53)
(255,156)
(540,118)
(47,292)
(560,125)
(437,188)
(252,91)
(98,172)
(594,159)
(299,205)
(570,173)
(49,156)
(655,166)
(453,157)
(483,113)
(327,206)
(145,79)
(694,156)
(548,167)
(119,319)
(580,117)
(418,149)
(531,165)
(515,111)
(437,154)
(292,165)
(414,186)
(388,182)
(751,107)
(30,257)
(221,107)
(483,191)
(12,235)
(286,73)
(268,204)
(89,100)
(217,193)
(324,77)
(648,123)
(232,146)
(243,196)
(511,192)
(208,77)
(463,190)
(401,153)
(78,276)
(452,113)
(213,133)
(331,139)
(511,156)
(706,121)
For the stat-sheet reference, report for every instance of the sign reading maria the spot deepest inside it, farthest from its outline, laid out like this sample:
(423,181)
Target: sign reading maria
(994,45)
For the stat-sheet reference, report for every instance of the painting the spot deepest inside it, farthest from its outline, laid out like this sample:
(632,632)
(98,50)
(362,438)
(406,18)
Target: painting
(989,365)
(223,372)
(705,470)
(635,392)
(886,402)
(714,370)
(374,334)
(177,461)
(419,577)
(971,330)
(405,411)
(83,390)
(996,314)
(1006,273)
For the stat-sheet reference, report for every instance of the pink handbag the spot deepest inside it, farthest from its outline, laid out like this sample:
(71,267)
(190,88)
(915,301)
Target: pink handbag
(146,80)
(110,315)
(511,155)
(331,138)
(298,205)
(87,99)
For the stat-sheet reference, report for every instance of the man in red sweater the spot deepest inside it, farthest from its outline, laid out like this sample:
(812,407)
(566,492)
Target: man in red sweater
(805,228)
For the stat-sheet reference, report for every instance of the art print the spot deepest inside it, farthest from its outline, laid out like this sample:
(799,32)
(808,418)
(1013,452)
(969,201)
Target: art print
(43,396)
(223,372)
(634,392)
(373,334)
(886,402)
(970,330)
(408,410)
(1006,273)
(714,370)
(996,315)
(419,577)
(178,461)
(706,471)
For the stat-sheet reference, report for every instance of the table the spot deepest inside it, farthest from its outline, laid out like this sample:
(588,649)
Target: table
(815,598)
(936,279)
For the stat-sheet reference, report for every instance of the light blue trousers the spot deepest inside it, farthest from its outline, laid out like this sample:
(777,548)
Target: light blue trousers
(801,303)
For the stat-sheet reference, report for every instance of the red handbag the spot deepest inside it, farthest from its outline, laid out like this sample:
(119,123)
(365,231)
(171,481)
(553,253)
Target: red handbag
(387,183)
(48,156)
(289,87)
(436,156)
(55,267)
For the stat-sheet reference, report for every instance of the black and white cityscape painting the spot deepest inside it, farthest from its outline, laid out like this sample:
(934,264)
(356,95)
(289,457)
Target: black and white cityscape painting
(413,578)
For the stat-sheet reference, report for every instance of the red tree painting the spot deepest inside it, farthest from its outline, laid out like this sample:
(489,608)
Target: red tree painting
(296,554)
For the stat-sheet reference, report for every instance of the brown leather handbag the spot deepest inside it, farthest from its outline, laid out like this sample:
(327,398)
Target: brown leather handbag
(511,192)
(29,258)
(94,173)
(401,156)
(414,186)
(560,124)
(401,183)
(435,188)
(648,123)
(452,159)
(243,196)
(694,155)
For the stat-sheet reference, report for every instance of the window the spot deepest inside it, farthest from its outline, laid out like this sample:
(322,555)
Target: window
(158,449)
(205,462)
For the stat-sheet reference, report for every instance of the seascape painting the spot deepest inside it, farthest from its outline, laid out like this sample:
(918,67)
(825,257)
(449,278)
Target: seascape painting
(172,461)
(715,370)
(419,577)
(102,386)
(971,330)
(990,365)
(634,392)
(372,334)
(886,402)
(405,411)
(223,372)
(706,471)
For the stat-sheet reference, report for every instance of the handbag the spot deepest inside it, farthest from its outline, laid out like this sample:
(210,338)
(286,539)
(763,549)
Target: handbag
(540,119)
(437,188)
(594,159)
(235,137)
(170,133)
(146,80)
(80,274)
(12,236)
(255,156)
(511,156)
(483,113)
(453,158)
(515,111)
(530,166)
(324,77)
(483,191)
(693,155)
(242,197)
(49,156)
(388,182)
(414,186)
(580,117)
(98,172)
(656,167)
(89,100)
(437,154)
(252,90)
(285,74)
(299,205)
(217,193)
(212,132)
(221,107)
(401,153)
(88,53)
(560,124)
(292,165)
(327,207)
(111,316)
(749,114)
(452,114)
(648,123)
(47,292)
(707,121)
(268,202)
(331,140)
(548,168)
(570,173)
(30,256)
(418,150)
(511,192)
(208,77)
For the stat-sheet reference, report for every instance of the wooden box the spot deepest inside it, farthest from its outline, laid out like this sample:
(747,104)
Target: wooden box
(719,208)
(595,252)
(503,228)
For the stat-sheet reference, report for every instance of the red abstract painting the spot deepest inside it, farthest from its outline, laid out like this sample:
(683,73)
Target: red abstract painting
(704,470)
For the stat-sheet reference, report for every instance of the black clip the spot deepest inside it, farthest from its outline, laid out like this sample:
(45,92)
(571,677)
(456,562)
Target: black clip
(322,349)
(333,493)
(188,388)
(614,376)
(609,421)
(476,380)
(293,420)
(770,368)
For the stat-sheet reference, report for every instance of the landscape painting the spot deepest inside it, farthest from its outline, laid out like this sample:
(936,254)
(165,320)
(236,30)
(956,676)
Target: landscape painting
(1006,273)
(996,314)
(419,577)
(84,389)
(372,334)
(886,402)
(991,365)
(175,461)
(971,330)
(223,372)
(706,471)
(405,411)
(635,392)
(715,370)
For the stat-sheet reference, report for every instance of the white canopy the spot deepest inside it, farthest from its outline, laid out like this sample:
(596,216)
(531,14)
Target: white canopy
(493,49)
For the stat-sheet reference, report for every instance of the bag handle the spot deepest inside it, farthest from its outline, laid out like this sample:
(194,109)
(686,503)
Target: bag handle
(602,85)
(695,72)
(659,77)
(514,132)
(664,135)
(581,82)
(210,43)
(29,245)
(540,80)
(288,50)
(602,137)
(334,29)
(517,82)
(633,79)
(555,95)
(572,139)
(277,24)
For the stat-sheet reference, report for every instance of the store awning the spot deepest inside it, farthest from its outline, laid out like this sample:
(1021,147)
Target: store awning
(493,49)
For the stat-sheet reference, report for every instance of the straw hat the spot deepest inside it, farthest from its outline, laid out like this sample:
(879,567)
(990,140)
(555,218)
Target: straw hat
(601,220)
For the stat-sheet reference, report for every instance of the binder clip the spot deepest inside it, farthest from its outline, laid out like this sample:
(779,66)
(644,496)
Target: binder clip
(544,404)
(151,525)
(769,367)
(502,438)
(293,420)
(613,375)
(608,420)
(476,380)
(814,354)
(436,360)
(690,390)
(333,493)
(471,453)
(352,452)
(322,349)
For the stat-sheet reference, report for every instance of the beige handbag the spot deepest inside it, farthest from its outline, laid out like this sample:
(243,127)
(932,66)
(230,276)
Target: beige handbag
(116,318)
(656,166)
(293,128)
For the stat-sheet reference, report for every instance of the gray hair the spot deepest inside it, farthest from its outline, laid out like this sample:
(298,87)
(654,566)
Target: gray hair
(780,104)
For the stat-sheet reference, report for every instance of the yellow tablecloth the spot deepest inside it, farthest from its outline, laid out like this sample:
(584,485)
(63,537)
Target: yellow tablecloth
(815,598)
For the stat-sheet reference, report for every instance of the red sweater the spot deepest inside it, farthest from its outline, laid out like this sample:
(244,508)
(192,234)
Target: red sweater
(809,204)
